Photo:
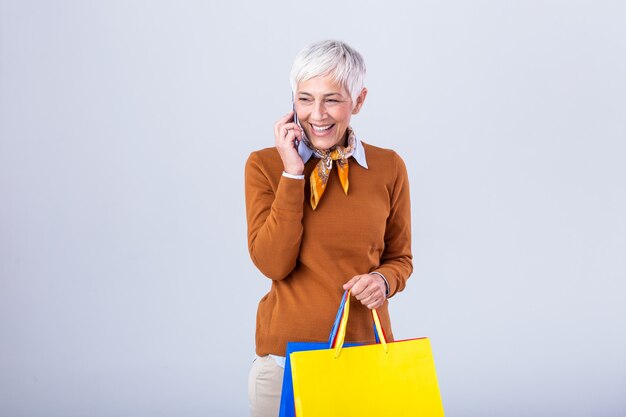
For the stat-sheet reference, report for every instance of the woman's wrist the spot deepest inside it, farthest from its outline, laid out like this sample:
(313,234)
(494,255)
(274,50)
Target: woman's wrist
(293,171)
(293,176)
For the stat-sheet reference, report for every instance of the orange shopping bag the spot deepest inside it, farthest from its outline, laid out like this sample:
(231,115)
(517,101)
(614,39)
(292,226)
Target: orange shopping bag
(395,379)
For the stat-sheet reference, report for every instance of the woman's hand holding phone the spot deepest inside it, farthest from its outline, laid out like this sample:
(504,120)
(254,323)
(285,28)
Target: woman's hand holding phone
(287,133)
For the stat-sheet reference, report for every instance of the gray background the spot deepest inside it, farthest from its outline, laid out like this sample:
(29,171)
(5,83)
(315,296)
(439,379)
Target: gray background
(125,284)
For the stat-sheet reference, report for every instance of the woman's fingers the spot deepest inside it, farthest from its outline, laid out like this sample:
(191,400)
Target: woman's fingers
(376,304)
(286,132)
(279,124)
(285,123)
(368,289)
(289,127)
(348,285)
(367,293)
(286,135)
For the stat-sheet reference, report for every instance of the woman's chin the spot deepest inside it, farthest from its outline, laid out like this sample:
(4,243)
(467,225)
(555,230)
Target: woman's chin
(323,143)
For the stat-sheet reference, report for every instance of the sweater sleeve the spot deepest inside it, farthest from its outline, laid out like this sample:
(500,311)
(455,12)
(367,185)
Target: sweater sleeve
(397,260)
(274,215)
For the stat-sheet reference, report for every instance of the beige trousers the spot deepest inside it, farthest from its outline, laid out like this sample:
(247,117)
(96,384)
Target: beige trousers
(265,383)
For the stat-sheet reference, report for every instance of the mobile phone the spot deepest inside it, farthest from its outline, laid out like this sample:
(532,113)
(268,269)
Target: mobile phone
(296,121)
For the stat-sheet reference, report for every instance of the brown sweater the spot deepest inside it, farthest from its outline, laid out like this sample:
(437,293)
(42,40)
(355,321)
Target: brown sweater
(309,254)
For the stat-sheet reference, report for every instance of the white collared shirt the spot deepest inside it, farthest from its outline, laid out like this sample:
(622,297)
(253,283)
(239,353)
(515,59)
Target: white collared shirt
(358,155)
(306,153)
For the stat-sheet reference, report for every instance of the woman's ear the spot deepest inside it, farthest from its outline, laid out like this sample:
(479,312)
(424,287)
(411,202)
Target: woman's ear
(359,101)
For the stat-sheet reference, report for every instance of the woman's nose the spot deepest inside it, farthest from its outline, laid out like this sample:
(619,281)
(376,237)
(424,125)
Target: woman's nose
(319,110)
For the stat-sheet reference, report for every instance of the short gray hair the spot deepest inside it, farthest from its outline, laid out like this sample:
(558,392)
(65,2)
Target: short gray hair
(330,57)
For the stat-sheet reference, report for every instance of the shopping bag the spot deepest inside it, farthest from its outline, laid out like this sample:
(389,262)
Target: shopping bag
(287,407)
(385,379)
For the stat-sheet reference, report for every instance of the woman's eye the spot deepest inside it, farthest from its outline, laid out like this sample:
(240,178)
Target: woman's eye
(304,99)
(332,101)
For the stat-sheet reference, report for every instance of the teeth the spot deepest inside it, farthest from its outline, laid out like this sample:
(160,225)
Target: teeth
(321,128)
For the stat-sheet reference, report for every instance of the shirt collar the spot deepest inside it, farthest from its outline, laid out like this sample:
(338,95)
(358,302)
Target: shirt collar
(358,155)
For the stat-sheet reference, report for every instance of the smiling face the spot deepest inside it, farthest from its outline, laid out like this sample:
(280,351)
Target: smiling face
(324,108)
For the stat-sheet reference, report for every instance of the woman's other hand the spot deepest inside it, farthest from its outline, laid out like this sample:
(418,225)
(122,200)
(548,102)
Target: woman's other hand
(369,289)
(286,132)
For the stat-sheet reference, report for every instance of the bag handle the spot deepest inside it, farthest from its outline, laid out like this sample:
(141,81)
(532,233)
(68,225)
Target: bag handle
(333,333)
(338,333)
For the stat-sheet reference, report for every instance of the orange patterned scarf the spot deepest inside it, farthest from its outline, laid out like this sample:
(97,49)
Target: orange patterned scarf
(321,172)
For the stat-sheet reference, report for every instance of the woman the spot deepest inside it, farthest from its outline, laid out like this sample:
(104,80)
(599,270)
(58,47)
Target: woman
(316,233)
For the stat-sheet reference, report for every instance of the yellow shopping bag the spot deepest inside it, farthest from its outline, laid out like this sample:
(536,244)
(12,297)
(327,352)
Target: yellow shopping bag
(395,379)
